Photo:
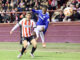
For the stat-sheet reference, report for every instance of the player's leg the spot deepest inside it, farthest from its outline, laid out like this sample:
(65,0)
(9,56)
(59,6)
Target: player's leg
(23,48)
(25,43)
(38,31)
(28,43)
(34,43)
(42,36)
(43,39)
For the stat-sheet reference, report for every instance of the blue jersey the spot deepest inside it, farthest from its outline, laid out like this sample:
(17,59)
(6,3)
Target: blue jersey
(43,19)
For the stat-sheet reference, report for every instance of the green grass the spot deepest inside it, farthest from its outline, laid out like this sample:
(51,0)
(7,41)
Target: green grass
(53,51)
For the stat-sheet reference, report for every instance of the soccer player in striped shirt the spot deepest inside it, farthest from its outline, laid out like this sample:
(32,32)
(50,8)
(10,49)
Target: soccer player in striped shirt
(42,23)
(27,36)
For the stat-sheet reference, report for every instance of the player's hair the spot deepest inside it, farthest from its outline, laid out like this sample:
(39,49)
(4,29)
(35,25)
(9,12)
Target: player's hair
(28,12)
(44,6)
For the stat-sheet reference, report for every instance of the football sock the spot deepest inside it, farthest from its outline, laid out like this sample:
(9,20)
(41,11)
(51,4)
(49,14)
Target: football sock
(33,50)
(42,36)
(23,49)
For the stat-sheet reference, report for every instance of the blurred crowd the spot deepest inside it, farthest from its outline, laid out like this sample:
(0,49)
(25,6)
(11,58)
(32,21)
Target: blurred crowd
(59,16)
(14,6)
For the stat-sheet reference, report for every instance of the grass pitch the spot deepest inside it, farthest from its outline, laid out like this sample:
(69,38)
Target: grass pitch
(53,51)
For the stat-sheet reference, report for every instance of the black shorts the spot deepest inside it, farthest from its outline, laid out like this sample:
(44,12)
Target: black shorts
(28,38)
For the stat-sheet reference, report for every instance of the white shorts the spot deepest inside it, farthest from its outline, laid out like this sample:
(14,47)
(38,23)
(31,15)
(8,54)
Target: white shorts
(38,29)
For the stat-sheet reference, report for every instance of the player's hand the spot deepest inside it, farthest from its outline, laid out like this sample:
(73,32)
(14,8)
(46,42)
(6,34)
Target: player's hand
(11,32)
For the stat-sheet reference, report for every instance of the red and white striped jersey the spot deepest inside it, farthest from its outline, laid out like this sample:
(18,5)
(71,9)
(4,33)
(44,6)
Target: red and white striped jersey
(26,27)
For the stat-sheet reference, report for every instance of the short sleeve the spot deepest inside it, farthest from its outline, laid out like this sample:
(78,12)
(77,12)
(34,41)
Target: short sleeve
(20,22)
(33,24)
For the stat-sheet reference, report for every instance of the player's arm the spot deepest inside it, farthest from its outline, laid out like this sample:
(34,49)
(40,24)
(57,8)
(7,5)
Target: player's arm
(35,11)
(35,32)
(34,24)
(15,27)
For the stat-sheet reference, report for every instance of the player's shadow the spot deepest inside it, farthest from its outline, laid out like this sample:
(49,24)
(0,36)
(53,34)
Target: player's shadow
(37,57)
(42,56)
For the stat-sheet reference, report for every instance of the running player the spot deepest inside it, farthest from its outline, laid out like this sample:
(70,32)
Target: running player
(27,24)
(42,24)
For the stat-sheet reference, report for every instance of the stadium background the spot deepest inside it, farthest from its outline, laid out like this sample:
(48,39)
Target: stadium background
(14,10)
(63,38)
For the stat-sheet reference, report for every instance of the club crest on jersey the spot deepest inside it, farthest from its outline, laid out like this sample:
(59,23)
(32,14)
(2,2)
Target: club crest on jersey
(43,16)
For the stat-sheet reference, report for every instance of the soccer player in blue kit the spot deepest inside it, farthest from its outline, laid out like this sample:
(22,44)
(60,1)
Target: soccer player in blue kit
(42,23)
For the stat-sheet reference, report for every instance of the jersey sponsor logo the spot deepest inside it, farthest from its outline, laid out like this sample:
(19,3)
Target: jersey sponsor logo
(26,26)
(42,17)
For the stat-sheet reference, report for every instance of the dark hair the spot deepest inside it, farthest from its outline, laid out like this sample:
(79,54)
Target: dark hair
(28,12)
(44,6)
